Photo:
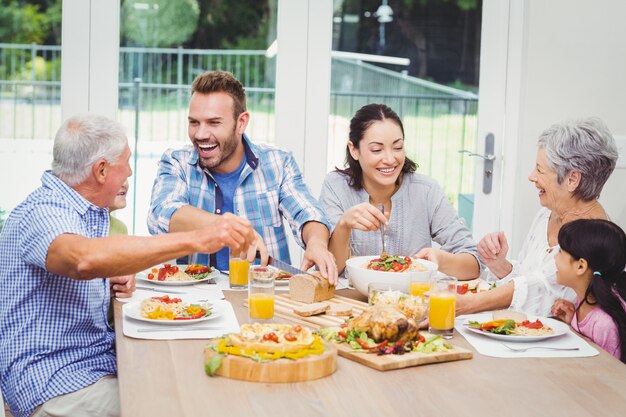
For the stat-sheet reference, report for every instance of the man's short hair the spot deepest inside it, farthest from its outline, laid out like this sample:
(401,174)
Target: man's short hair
(222,81)
(81,141)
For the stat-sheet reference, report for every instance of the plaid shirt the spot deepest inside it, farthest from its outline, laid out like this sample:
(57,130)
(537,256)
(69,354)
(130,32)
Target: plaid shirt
(54,333)
(270,187)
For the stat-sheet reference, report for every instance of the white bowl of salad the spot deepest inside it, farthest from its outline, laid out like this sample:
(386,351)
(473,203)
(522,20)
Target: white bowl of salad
(398,271)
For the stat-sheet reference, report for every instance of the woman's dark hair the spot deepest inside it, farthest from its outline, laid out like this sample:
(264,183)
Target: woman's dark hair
(361,121)
(603,245)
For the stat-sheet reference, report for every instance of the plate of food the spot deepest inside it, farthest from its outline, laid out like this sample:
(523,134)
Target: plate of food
(175,275)
(170,311)
(282,278)
(517,327)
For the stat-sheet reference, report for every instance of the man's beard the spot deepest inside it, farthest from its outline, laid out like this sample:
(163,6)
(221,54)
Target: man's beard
(226,152)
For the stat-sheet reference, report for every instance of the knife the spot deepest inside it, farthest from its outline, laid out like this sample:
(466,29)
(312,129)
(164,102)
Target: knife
(284,266)
(164,291)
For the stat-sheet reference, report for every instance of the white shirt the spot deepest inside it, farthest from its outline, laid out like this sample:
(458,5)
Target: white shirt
(534,273)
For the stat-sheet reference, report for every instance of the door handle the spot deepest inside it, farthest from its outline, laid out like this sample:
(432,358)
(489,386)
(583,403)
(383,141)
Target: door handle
(488,158)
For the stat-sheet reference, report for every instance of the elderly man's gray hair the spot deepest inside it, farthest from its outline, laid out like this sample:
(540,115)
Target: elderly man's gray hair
(81,141)
(583,145)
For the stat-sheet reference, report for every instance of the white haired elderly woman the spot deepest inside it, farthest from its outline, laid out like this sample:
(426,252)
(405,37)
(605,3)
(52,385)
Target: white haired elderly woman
(574,161)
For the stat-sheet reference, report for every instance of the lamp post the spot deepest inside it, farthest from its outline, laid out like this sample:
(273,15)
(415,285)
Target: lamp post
(383,14)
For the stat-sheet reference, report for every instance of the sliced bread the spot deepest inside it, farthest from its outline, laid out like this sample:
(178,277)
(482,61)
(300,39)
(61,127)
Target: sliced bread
(311,309)
(339,310)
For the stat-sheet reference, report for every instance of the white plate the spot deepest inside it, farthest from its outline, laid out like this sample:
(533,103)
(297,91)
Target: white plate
(281,282)
(133,311)
(143,276)
(558,329)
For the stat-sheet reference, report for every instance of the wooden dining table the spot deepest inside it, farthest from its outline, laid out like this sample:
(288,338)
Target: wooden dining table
(167,378)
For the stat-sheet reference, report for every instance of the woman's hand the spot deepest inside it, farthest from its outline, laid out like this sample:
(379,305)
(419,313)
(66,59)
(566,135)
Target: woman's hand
(364,217)
(492,250)
(563,310)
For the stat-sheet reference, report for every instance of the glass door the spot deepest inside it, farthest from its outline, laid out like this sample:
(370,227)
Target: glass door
(422,59)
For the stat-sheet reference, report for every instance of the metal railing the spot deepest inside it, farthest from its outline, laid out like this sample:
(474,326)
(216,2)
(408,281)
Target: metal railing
(438,120)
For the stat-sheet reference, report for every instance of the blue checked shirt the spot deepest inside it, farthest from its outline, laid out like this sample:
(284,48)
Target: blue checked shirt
(270,188)
(54,336)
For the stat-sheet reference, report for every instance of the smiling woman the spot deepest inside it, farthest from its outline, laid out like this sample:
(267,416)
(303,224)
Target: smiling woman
(574,160)
(416,210)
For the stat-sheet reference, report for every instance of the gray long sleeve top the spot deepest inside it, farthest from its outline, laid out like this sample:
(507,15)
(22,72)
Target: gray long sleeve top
(420,214)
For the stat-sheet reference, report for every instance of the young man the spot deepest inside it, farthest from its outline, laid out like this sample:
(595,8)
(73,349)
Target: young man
(56,351)
(224,172)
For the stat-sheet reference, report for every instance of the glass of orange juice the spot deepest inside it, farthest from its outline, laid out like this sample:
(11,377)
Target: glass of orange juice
(441,311)
(261,292)
(419,288)
(238,272)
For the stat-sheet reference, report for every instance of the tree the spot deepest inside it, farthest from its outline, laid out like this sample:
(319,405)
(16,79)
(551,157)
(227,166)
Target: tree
(159,23)
(22,23)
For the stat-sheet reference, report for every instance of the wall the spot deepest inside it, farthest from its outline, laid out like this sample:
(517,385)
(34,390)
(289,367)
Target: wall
(574,65)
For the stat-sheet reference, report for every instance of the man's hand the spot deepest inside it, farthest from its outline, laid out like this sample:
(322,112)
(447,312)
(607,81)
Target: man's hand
(317,253)
(257,246)
(563,310)
(230,231)
(123,286)
(492,250)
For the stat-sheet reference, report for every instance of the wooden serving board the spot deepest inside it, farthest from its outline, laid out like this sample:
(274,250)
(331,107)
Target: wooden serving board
(281,370)
(283,307)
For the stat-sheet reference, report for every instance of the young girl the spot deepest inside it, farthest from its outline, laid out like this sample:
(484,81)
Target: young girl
(591,261)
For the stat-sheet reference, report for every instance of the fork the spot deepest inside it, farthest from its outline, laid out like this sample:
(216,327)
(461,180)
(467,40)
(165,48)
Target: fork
(383,254)
(524,349)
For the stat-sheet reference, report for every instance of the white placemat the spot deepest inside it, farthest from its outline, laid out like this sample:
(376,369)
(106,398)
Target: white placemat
(493,347)
(225,323)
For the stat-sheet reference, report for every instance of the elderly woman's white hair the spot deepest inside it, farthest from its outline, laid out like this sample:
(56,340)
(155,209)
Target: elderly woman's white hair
(81,141)
(583,145)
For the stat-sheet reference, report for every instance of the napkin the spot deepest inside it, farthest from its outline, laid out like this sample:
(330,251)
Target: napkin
(224,322)
(494,347)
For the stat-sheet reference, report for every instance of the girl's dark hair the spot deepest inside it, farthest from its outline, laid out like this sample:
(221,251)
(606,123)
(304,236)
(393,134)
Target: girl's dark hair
(361,121)
(603,245)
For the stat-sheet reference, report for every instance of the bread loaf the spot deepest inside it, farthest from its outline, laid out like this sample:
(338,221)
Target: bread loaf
(310,289)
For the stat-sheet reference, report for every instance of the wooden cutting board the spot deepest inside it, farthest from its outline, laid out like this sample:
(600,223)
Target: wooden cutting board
(281,370)
(283,307)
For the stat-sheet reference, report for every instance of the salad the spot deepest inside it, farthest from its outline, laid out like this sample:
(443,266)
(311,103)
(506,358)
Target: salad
(359,341)
(510,327)
(390,264)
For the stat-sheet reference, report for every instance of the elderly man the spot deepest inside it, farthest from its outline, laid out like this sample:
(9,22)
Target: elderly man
(225,172)
(56,353)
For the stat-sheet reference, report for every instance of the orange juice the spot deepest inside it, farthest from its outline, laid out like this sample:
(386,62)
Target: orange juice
(418,288)
(441,311)
(261,306)
(238,271)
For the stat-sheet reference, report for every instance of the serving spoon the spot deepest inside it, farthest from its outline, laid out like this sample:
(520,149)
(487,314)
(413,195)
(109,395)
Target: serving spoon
(383,254)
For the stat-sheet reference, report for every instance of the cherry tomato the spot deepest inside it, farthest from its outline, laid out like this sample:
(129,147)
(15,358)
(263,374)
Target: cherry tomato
(271,336)
(174,269)
(290,337)
(462,289)
(150,276)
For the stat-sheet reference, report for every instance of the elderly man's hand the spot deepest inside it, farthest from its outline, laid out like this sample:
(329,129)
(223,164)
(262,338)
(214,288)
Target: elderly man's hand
(123,286)
(317,253)
(230,231)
